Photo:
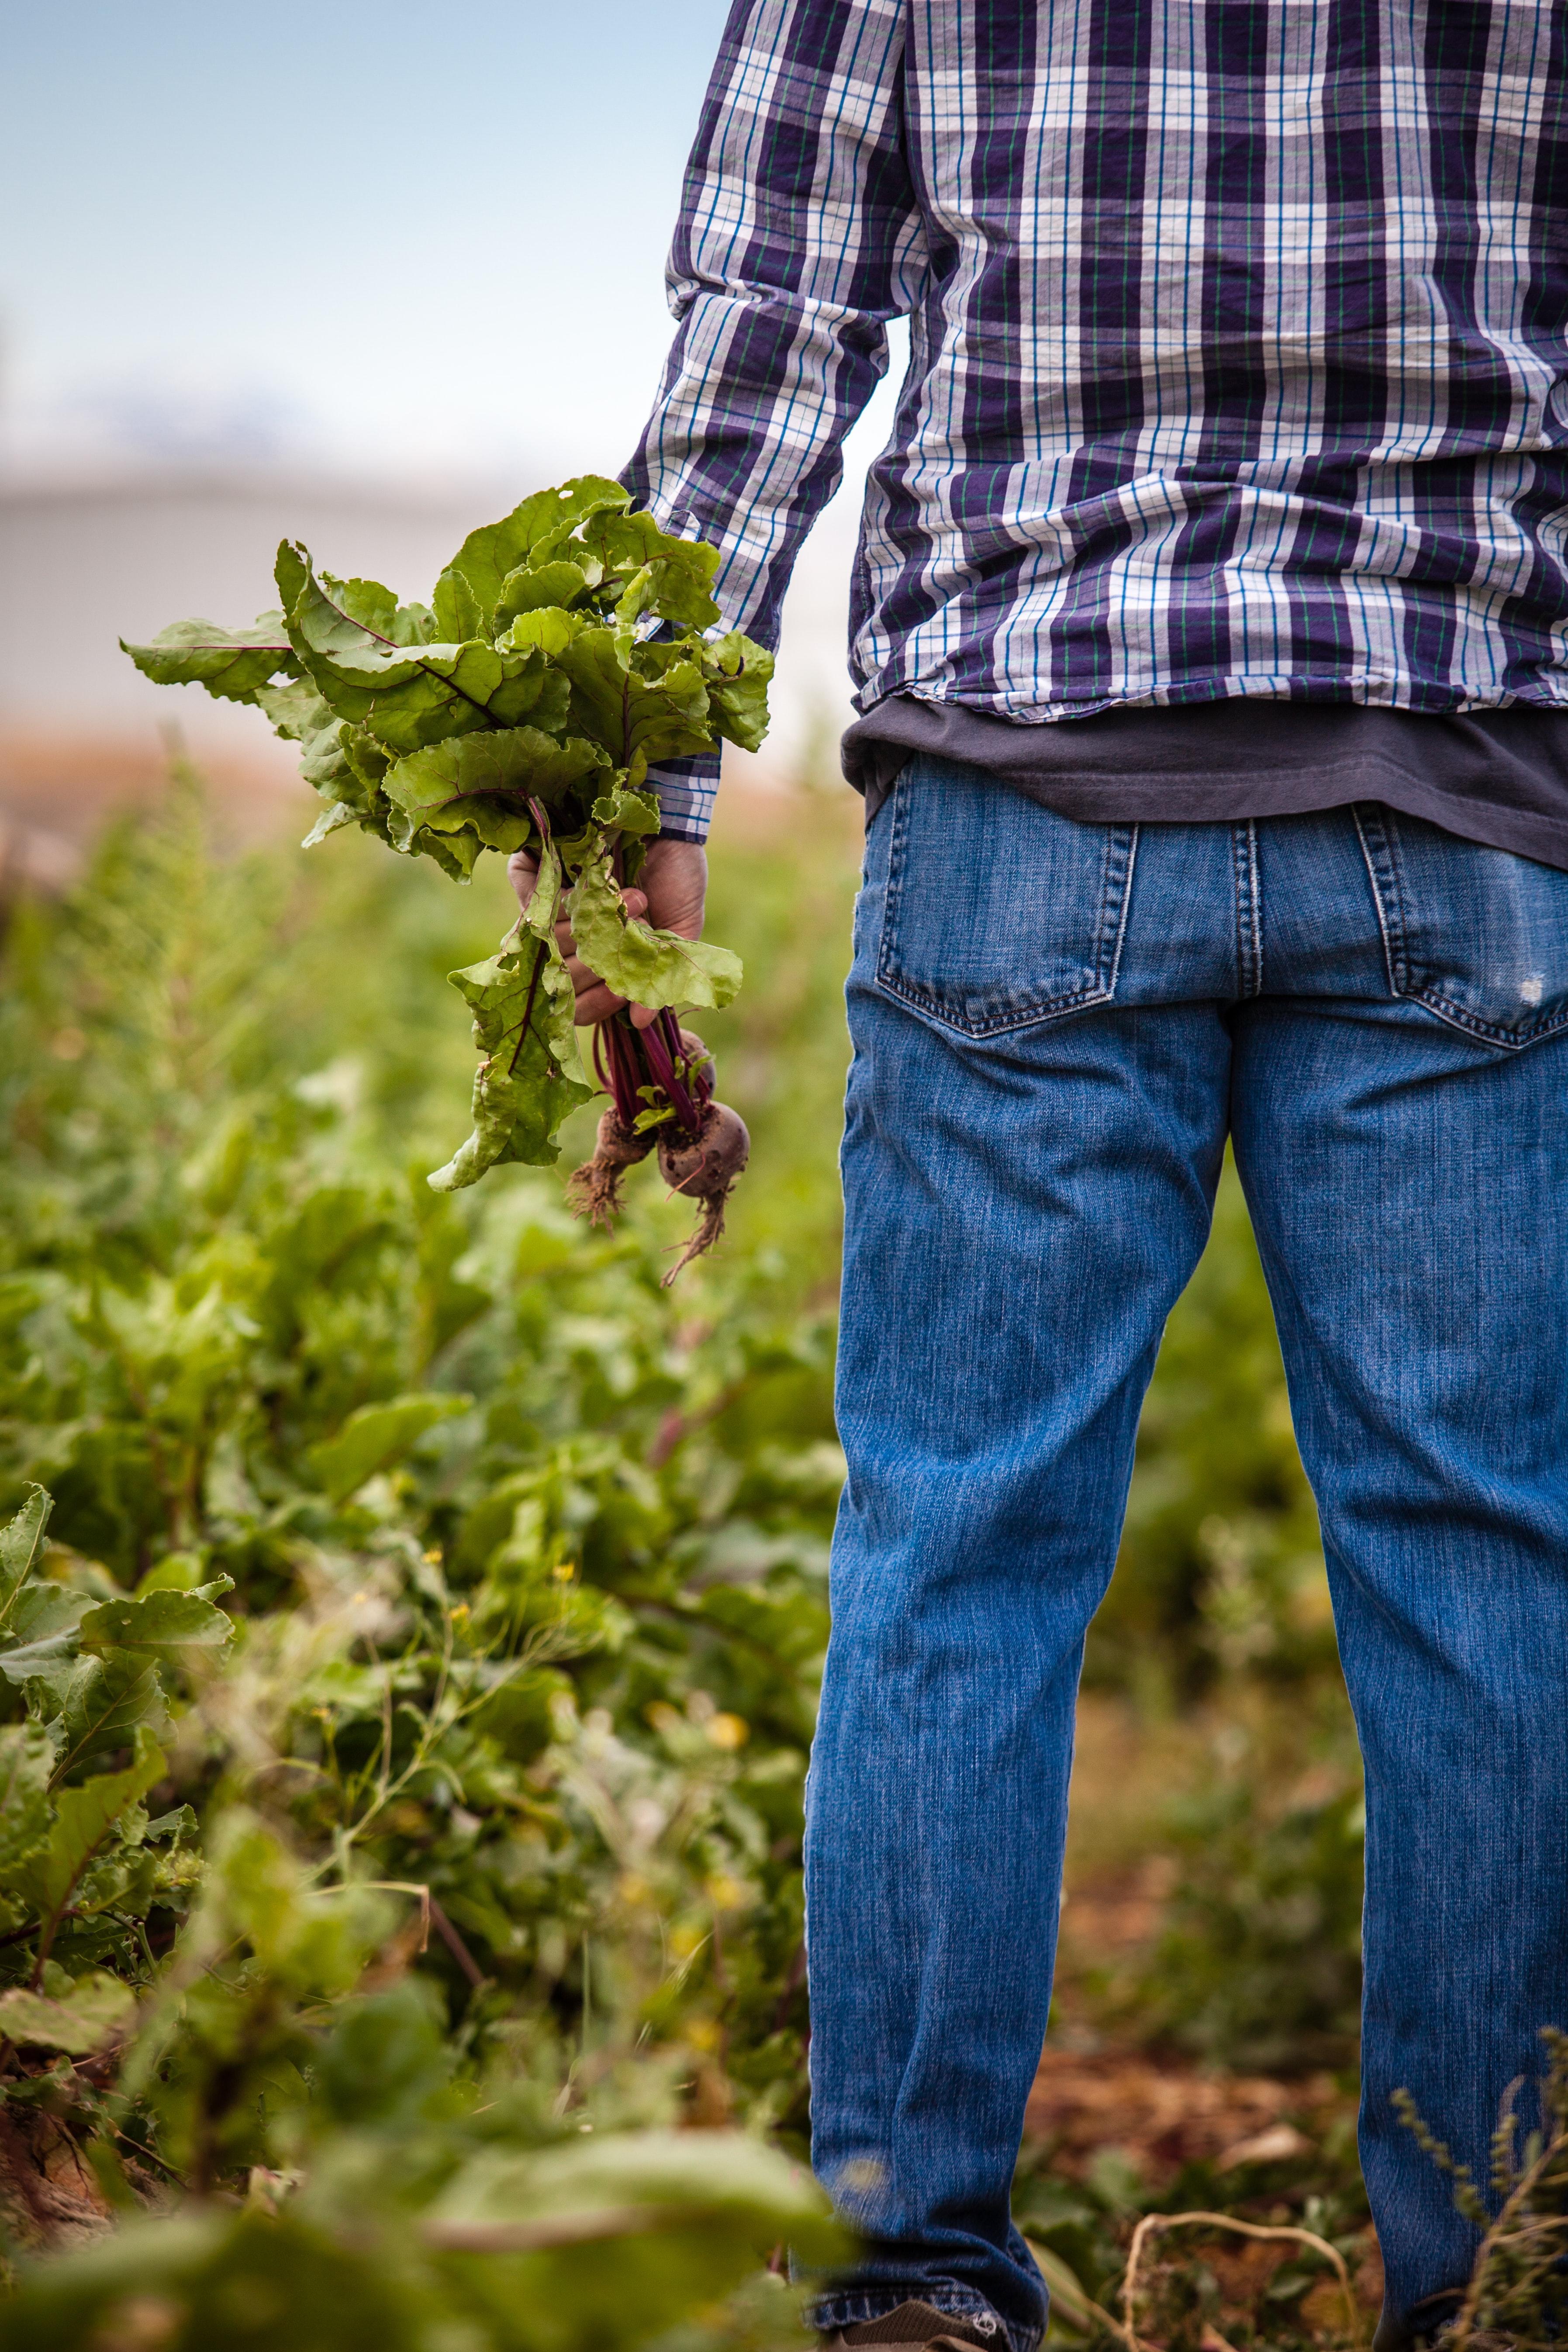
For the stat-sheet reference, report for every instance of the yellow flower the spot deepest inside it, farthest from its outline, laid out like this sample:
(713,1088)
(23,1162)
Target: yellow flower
(728,1731)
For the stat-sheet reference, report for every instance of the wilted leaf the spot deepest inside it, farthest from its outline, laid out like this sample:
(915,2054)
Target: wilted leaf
(738,674)
(332,819)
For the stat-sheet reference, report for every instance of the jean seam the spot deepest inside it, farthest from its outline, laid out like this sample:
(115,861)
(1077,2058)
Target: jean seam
(1117,838)
(1244,891)
(1382,873)
(1443,1008)
(934,1009)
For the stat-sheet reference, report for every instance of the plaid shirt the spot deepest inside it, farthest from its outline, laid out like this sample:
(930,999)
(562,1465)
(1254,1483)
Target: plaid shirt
(1238,357)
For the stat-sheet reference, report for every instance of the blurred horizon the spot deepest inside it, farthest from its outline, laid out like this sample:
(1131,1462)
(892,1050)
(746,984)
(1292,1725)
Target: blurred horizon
(351,240)
(347,270)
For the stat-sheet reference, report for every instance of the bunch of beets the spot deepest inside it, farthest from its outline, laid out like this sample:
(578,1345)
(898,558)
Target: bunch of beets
(566,650)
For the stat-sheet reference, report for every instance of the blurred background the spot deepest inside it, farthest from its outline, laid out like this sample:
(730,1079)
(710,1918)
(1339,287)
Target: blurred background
(366,277)
(341,277)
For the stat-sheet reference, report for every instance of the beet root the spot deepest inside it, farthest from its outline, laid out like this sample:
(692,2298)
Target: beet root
(703,1168)
(593,1190)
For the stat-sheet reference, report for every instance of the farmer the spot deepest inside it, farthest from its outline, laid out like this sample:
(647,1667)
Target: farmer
(1210,640)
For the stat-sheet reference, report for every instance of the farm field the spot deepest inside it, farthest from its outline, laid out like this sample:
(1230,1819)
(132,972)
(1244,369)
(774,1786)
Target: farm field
(407,1704)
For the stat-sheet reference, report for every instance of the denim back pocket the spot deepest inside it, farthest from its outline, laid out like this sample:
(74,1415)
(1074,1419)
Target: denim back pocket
(998,912)
(1478,936)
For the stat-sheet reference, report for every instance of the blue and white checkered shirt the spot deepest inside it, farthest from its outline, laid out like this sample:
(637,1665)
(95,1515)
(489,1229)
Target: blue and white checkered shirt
(1239,346)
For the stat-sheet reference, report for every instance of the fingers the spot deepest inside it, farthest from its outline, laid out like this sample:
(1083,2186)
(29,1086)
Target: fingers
(522,873)
(595,1002)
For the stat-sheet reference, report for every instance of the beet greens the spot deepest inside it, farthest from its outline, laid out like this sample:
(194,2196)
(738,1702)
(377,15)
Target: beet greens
(566,649)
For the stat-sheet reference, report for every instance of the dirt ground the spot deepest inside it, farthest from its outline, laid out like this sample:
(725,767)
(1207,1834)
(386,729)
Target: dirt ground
(1099,2092)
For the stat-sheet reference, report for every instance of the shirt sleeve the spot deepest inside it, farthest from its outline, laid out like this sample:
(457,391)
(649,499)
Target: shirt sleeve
(799,239)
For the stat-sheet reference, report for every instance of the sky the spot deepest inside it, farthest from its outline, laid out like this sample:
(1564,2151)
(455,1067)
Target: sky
(421,245)
(388,235)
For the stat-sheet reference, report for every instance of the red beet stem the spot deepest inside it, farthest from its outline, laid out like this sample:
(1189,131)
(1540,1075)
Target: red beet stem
(656,1045)
(623,1077)
(647,1057)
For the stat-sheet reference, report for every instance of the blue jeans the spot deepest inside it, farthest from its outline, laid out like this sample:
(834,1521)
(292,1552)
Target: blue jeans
(1057,1026)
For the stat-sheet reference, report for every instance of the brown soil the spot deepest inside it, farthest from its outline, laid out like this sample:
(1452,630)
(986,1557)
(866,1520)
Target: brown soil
(1165,2116)
(48,2193)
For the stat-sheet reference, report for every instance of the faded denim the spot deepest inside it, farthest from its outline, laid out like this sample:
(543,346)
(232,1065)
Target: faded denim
(1057,1027)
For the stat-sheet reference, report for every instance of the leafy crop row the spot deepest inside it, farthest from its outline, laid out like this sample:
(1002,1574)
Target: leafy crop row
(405,1709)
(240,1336)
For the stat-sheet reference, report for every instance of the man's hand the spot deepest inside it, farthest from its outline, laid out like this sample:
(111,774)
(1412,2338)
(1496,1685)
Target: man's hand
(669,893)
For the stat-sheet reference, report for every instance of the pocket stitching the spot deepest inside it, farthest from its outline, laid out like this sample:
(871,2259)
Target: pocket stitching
(1049,1008)
(1458,1018)
(1046,1008)
(1389,898)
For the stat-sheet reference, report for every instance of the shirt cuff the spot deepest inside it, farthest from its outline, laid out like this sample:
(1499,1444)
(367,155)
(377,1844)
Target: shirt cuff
(687,790)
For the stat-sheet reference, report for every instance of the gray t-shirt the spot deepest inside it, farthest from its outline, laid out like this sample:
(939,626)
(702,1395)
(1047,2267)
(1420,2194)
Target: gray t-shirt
(1495,776)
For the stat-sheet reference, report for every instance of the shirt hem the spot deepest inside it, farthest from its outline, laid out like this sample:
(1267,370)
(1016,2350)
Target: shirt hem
(1173,782)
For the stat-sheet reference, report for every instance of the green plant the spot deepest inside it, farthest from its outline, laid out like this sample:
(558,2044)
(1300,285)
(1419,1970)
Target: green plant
(1221,1570)
(563,651)
(1258,1962)
(458,1616)
(87,1874)
(493,1788)
(1517,2292)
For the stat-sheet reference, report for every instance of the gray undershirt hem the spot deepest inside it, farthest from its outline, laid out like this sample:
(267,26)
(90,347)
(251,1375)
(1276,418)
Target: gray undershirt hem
(1497,777)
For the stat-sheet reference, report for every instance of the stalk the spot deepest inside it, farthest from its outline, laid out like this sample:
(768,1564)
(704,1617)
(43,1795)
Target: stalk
(626,1059)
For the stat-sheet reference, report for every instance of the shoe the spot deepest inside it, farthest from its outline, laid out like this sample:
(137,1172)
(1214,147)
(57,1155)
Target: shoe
(918,2327)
